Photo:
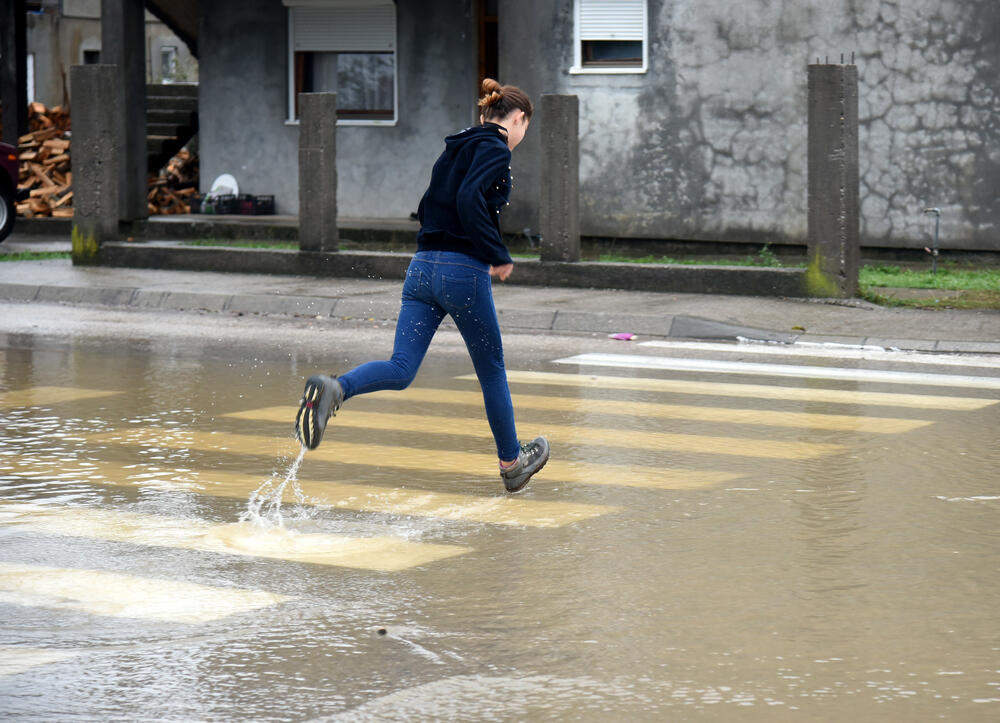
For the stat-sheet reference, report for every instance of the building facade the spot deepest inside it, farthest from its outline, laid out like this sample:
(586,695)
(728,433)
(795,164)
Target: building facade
(692,112)
(62,33)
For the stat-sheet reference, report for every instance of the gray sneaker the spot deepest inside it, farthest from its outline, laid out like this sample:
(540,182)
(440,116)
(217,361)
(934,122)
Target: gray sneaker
(321,399)
(532,458)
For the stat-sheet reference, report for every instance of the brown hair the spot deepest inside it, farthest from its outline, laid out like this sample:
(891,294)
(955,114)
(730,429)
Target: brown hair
(499,101)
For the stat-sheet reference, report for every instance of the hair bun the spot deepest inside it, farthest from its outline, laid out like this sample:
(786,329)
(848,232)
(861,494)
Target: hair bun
(492,93)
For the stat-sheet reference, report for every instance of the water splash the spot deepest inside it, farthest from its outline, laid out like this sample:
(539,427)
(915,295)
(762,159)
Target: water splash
(264,505)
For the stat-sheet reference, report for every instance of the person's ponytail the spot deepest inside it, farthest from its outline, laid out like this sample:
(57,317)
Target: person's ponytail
(499,101)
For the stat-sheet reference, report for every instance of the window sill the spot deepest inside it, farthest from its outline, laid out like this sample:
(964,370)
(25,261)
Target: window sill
(376,123)
(576,70)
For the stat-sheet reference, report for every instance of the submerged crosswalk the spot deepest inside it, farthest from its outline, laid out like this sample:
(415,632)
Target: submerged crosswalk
(616,437)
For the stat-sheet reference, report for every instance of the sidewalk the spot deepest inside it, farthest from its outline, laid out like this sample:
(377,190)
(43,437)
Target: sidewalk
(520,308)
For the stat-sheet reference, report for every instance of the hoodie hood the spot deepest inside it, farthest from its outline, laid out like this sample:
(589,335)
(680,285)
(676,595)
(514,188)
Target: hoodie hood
(475,135)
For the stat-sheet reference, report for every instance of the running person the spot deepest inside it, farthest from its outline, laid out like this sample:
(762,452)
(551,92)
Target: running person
(459,247)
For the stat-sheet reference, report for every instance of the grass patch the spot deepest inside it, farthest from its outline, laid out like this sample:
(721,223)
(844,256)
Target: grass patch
(34,255)
(950,288)
(946,278)
(765,257)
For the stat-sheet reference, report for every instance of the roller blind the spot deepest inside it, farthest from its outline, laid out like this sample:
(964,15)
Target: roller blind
(342,27)
(612,19)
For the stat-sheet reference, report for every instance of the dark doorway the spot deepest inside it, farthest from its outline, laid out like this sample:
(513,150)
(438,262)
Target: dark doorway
(489,50)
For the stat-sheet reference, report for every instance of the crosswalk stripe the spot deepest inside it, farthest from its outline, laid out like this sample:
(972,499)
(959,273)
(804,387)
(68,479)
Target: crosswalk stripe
(589,406)
(16,659)
(636,361)
(385,554)
(37,396)
(125,596)
(497,509)
(828,350)
(449,462)
(631,439)
(745,391)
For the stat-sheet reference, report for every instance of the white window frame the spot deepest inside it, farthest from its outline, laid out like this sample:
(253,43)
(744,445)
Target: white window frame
(290,6)
(578,66)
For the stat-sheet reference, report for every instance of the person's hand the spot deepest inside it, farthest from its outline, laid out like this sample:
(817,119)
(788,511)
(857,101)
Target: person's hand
(501,272)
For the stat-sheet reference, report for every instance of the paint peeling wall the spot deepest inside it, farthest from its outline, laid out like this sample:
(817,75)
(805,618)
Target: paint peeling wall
(710,143)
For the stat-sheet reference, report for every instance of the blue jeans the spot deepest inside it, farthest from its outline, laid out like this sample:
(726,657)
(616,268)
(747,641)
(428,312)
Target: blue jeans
(439,283)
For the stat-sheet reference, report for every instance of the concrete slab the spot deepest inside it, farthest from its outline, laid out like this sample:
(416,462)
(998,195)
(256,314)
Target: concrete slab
(526,318)
(831,339)
(187,300)
(276,304)
(366,309)
(101,296)
(969,347)
(612,322)
(693,327)
(909,344)
(19,292)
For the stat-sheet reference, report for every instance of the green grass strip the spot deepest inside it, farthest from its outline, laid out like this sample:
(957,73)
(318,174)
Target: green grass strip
(946,278)
(34,255)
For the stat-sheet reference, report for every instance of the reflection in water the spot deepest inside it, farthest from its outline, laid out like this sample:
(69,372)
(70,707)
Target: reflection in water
(855,580)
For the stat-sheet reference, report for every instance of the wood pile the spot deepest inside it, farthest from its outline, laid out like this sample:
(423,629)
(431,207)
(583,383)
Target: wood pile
(45,170)
(44,163)
(171,191)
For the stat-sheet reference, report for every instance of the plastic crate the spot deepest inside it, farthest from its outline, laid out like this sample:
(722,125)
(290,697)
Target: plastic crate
(244,204)
(263,205)
(219,204)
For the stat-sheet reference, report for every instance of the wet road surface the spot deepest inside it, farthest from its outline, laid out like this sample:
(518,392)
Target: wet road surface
(743,536)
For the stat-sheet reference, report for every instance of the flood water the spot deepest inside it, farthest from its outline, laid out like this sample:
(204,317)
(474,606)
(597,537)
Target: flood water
(734,547)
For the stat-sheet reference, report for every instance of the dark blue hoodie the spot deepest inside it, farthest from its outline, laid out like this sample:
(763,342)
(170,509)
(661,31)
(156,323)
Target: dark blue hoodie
(470,183)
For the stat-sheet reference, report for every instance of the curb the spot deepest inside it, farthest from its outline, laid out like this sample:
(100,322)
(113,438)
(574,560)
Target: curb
(673,326)
(729,280)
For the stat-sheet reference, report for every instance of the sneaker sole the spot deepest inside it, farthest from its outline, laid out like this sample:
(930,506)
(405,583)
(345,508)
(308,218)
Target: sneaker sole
(306,430)
(526,481)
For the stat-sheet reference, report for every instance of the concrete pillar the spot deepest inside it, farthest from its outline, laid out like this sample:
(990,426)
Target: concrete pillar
(123,45)
(559,204)
(833,181)
(13,70)
(318,172)
(97,150)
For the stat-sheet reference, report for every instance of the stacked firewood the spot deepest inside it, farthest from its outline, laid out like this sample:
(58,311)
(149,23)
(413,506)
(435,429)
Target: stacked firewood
(44,163)
(44,156)
(171,191)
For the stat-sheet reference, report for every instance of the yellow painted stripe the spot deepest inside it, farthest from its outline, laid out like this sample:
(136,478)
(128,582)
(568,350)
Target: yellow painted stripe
(653,410)
(40,396)
(630,439)
(16,659)
(447,462)
(125,596)
(387,554)
(753,391)
(495,509)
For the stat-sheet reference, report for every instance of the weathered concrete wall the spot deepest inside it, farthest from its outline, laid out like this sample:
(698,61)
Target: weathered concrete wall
(710,143)
(243,100)
(382,170)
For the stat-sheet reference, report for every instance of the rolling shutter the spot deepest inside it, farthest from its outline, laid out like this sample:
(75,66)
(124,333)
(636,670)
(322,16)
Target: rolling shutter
(612,19)
(344,27)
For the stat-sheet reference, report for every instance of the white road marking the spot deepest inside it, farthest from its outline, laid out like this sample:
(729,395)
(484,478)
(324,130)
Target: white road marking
(833,351)
(635,361)
(125,596)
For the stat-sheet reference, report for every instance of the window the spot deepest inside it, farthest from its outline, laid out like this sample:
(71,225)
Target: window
(30,79)
(168,63)
(610,36)
(347,47)
(91,57)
